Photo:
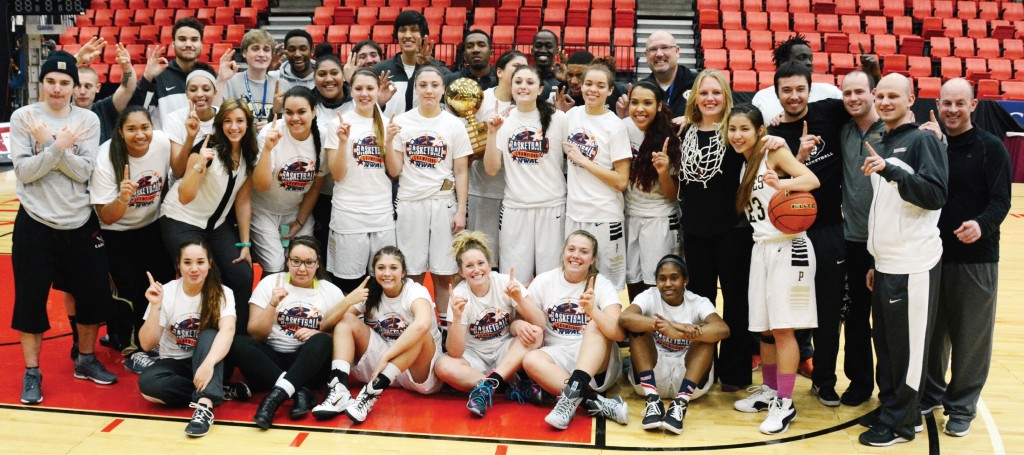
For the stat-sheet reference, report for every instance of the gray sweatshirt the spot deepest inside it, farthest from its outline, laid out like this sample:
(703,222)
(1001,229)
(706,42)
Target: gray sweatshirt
(53,184)
(857,192)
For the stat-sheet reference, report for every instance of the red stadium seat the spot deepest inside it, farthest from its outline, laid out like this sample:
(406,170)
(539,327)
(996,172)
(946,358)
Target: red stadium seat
(779,21)
(940,47)
(625,18)
(757,21)
(902,25)
(894,63)
(736,39)
(977,28)
(712,39)
(885,44)
(919,66)
(708,19)
(732,20)
(557,17)
(988,89)
(943,8)
(716,58)
(382,34)
(821,64)
(357,33)
(842,62)
(129,35)
(828,23)
(149,34)
(451,34)
(180,14)
(823,7)
(814,39)
(1013,11)
(967,10)
(70,36)
(1002,29)
(206,16)
(875,25)
(729,5)
(963,47)
(765,79)
(318,32)
(932,26)
(823,78)
(928,87)
(846,7)
(951,67)
(484,16)
(763,60)
(750,6)
(744,81)
(233,34)
(989,11)
(323,15)
(387,15)
(976,68)
(761,40)
(836,42)
(455,16)
(893,8)
(247,17)
(953,27)
(103,18)
(531,16)
(741,59)
(850,24)
(863,40)
(1000,69)
(507,16)
(367,15)
(623,37)
(800,6)
(1013,49)
(922,8)
(163,17)
(803,22)
(776,6)
(601,18)
(911,45)
(575,35)
(601,36)
(110,34)
(85,19)
(707,4)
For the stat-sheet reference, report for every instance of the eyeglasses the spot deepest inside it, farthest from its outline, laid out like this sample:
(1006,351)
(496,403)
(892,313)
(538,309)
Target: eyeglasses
(663,48)
(309,263)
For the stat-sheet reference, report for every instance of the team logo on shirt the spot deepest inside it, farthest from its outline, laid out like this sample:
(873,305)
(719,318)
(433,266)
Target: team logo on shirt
(426,150)
(586,142)
(186,332)
(568,318)
(391,326)
(367,153)
(493,324)
(527,146)
(635,148)
(297,317)
(150,185)
(670,344)
(297,174)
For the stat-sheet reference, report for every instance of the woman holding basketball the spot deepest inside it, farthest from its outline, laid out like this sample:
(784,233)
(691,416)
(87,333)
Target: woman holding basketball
(782,266)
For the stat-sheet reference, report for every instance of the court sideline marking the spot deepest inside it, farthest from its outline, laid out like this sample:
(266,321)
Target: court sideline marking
(993,431)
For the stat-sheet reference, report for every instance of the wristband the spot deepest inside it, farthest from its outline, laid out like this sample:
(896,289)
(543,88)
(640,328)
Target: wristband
(243,244)
(301,224)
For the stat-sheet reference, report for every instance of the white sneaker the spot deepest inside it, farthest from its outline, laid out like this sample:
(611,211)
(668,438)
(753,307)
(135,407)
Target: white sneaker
(363,403)
(611,408)
(780,413)
(757,401)
(565,409)
(338,398)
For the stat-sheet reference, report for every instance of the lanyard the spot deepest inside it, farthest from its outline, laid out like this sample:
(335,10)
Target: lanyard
(669,94)
(262,114)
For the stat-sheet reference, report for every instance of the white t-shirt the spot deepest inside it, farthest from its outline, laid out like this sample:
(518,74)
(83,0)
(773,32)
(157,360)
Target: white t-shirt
(430,147)
(768,101)
(362,200)
(533,173)
(694,310)
(208,196)
(179,317)
(301,308)
(325,114)
(174,127)
(757,208)
(559,300)
(293,170)
(602,139)
(487,318)
(481,184)
(652,204)
(149,171)
(394,315)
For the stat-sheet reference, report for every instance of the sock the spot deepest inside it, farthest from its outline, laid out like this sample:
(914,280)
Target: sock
(582,380)
(769,375)
(686,389)
(443,320)
(74,328)
(31,368)
(383,380)
(786,383)
(648,383)
(501,381)
(340,370)
(283,384)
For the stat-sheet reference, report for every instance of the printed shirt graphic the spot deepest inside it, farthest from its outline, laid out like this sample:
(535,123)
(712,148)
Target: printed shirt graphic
(361,201)
(559,300)
(694,310)
(301,308)
(757,208)
(429,147)
(148,171)
(179,317)
(394,315)
(488,318)
(533,173)
(293,170)
(603,140)
(648,204)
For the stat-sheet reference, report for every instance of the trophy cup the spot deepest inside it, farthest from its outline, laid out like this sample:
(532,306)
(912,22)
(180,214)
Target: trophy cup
(464,97)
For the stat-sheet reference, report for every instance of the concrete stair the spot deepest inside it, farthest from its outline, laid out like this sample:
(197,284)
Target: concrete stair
(290,15)
(674,16)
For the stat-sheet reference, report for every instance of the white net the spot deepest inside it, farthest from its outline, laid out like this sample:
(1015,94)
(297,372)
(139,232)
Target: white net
(699,164)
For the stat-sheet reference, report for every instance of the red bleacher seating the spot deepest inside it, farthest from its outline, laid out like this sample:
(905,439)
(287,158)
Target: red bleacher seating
(1000,69)
(736,39)
(988,89)
(761,40)
(712,38)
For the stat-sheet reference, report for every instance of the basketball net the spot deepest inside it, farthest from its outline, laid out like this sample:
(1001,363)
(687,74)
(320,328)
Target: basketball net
(700,164)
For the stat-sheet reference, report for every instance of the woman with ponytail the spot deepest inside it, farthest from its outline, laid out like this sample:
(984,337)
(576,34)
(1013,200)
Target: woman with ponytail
(527,145)
(126,189)
(287,178)
(192,321)
(652,215)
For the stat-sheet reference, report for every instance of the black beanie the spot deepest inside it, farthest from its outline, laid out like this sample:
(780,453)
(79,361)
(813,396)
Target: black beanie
(60,62)
(580,58)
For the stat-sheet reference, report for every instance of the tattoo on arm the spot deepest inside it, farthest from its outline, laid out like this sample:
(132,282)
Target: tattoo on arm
(125,77)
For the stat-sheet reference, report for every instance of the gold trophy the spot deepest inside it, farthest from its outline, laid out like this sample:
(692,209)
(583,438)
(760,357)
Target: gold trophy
(464,96)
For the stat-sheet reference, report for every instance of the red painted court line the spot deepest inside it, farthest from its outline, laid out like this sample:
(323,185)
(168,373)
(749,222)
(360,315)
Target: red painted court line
(299,439)
(112,425)
(501,449)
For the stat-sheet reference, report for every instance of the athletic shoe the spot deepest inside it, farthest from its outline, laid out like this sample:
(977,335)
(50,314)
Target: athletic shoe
(302,403)
(338,398)
(881,436)
(524,390)
(806,368)
(781,413)
(237,391)
(32,386)
(654,413)
(926,409)
(758,401)
(201,421)
(138,361)
(872,419)
(268,407)
(87,367)
(363,404)
(826,395)
(611,408)
(956,427)
(854,398)
(482,396)
(755,362)
(919,426)
(674,418)
(565,409)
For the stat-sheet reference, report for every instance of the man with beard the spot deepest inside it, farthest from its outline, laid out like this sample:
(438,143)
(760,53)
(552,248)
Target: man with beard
(162,88)
(298,68)
(477,52)
(666,71)
(411,33)
(545,45)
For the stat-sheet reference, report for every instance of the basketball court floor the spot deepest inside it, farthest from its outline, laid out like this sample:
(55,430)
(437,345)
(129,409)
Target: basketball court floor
(82,417)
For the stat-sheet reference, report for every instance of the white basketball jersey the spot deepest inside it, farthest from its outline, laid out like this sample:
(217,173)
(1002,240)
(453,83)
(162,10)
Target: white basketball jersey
(757,208)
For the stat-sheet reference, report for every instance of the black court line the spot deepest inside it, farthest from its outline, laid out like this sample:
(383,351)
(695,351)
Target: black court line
(12,343)
(933,434)
(599,445)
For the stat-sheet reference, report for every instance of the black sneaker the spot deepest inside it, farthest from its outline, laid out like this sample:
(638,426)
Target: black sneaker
(482,396)
(654,413)
(201,421)
(302,402)
(854,398)
(237,391)
(826,395)
(87,367)
(870,419)
(674,417)
(882,436)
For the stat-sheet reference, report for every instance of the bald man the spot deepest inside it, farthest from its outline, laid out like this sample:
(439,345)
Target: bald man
(666,71)
(908,176)
(979,199)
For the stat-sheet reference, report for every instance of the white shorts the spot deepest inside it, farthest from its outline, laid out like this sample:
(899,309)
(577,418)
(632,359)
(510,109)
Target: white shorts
(364,368)
(647,241)
(424,230)
(482,215)
(531,239)
(486,361)
(781,293)
(565,357)
(669,373)
(349,255)
(265,235)
(611,248)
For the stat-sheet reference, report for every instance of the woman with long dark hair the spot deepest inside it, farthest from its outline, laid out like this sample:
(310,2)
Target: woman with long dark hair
(188,126)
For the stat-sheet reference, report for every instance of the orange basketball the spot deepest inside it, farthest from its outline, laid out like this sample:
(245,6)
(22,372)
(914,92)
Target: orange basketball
(792,211)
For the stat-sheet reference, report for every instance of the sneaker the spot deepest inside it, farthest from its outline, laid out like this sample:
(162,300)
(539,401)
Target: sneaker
(854,398)
(524,390)
(32,386)
(806,368)
(482,396)
(872,419)
(927,409)
(674,418)
(826,395)
(611,408)
(881,436)
(363,404)
(87,367)
(654,413)
(919,426)
(138,361)
(202,418)
(755,362)
(565,409)
(781,413)
(956,427)
(338,398)
(237,391)
(758,401)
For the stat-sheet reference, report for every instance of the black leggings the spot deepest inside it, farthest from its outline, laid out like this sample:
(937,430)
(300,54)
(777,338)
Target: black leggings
(133,253)
(262,365)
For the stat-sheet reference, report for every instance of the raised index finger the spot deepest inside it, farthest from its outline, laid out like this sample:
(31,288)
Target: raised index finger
(931,114)
(871,150)
(861,46)
(805,129)
(280,280)
(206,141)
(664,149)
(150,276)
(590,283)
(126,175)
(365,280)
(512,274)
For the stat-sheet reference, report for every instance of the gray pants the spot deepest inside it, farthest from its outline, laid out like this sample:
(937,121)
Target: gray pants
(964,325)
(170,380)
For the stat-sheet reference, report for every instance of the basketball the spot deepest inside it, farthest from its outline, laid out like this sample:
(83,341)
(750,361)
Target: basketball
(792,211)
